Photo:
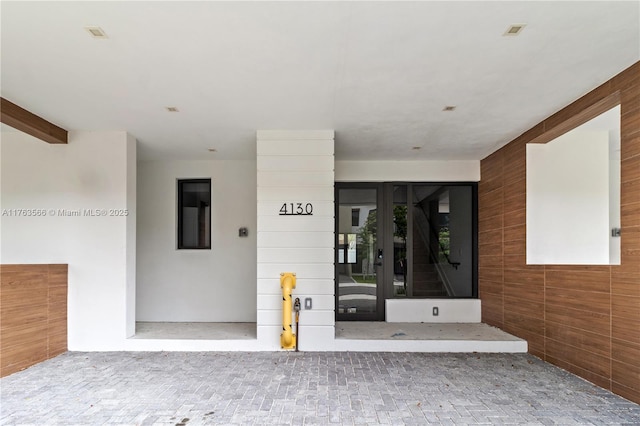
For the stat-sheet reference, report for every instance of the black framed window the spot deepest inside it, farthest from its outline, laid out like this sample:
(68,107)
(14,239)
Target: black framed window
(355,217)
(194,214)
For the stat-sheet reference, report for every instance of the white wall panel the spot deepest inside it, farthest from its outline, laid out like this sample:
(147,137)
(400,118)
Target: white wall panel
(295,163)
(294,223)
(293,194)
(317,338)
(303,286)
(312,338)
(296,255)
(316,270)
(294,147)
(295,167)
(270,135)
(319,208)
(269,302)
(319,302)
(309,317)
(296,239)
(300,179)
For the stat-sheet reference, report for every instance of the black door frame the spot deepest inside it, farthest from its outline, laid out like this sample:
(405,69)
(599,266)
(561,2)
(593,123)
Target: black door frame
(379,314)
(384,288)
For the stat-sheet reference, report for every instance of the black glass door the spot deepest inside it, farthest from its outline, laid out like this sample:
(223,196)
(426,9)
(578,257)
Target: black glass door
(359,253)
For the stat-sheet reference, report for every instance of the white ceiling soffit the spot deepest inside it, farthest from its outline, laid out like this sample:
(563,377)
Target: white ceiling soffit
(379,73)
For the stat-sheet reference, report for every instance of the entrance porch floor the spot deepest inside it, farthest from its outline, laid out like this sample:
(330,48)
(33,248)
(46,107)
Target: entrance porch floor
(420,331)
(289,388)
(349,336)
(196,330)
(423,337)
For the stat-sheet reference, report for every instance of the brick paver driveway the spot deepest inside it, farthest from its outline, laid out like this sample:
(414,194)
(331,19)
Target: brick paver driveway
(304,388)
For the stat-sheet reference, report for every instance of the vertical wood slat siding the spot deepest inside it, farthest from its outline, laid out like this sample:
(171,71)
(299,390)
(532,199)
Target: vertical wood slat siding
(33,315)
(585,319)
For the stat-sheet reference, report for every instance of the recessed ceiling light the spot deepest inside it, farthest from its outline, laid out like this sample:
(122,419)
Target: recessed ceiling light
(212,150)
(172,109)
(449,108)
(416,147)
(514,29)
(96,32)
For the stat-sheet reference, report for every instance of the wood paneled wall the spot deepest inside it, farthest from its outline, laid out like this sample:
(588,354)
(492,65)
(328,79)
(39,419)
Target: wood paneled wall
(33,315)
(585,319)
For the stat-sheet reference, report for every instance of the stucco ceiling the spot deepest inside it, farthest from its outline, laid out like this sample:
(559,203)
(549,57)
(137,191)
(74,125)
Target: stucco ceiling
(379,73)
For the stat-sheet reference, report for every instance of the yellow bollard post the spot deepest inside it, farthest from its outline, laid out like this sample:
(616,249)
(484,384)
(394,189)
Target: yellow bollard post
(287,283)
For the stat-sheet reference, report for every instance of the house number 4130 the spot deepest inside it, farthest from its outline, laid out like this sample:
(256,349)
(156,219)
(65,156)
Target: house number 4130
(296,209)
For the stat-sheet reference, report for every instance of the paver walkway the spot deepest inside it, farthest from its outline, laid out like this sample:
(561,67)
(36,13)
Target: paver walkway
(304,388)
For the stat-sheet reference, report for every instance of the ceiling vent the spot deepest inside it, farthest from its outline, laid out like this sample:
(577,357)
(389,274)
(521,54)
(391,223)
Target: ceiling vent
(514,29)
(96,32)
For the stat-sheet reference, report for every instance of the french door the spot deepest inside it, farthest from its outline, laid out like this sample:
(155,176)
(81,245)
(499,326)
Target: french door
(403,240)
(359,252)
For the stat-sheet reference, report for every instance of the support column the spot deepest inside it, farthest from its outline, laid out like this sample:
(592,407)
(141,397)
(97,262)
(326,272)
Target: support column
(295,176)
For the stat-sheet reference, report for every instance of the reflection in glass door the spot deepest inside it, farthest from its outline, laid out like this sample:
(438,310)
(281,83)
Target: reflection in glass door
(427,233)
(399,243)
(443,242)
(359,253)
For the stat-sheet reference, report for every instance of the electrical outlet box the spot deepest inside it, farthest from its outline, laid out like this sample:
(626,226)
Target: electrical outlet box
(307,303)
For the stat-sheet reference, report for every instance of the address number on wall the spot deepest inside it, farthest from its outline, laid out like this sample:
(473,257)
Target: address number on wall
(296,209)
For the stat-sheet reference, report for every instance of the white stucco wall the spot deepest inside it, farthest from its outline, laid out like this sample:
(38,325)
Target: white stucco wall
(615,249)
(87,175)
(407,171)
(132,167)
(568,200)
(216,285)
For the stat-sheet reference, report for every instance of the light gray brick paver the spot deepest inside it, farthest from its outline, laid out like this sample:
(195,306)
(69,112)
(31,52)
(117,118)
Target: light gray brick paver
(285,388)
